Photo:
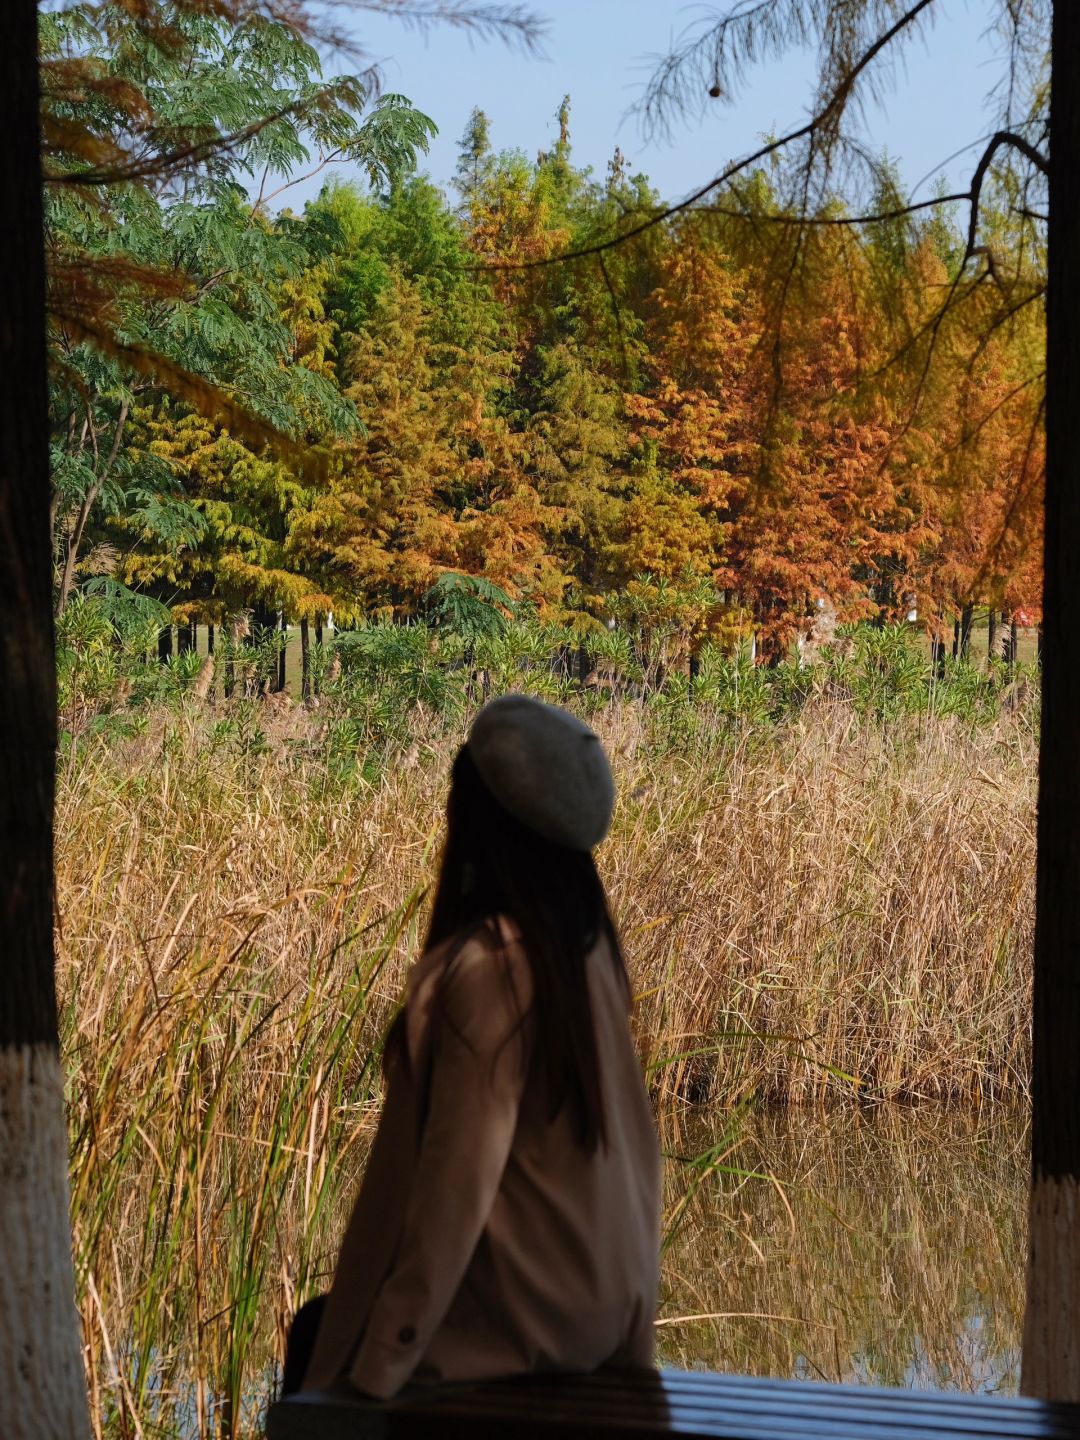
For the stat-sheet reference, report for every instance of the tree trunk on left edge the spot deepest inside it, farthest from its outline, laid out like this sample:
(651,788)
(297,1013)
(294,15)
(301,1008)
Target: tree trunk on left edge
(42,1390)
(1051,1351)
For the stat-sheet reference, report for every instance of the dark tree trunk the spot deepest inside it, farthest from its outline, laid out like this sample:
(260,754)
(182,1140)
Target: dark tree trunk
(956,637)
(186,639)
(305,661)
(211,688)
(1051,1355)
(264,622)
(693,671)
(164,644)
(991,634)
(41,1378)
(966,620)
(584,666)
(317,685)
(280,686)
(1014,644)
(937,656)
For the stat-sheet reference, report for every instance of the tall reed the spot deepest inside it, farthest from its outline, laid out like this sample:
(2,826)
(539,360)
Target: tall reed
(826,909)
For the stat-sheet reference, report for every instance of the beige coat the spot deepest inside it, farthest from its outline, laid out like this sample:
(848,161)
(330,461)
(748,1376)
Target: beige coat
(485,1242)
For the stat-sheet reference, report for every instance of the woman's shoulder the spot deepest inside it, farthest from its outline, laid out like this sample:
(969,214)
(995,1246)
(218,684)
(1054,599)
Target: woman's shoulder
(488,979)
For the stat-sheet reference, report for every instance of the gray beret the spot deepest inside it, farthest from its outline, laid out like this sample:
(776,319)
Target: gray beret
(546,767)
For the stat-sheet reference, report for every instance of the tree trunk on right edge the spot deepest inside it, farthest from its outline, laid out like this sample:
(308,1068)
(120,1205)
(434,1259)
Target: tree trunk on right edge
(42,1389)
(1051,1351)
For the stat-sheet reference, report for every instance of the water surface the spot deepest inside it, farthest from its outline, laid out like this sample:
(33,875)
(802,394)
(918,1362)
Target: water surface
(881,1247)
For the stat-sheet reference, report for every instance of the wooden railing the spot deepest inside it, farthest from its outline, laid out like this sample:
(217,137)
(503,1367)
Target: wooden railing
(685,1403)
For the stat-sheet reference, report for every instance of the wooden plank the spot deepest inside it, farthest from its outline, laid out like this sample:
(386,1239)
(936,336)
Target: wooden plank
(683,1384)
(682,1403)
(721,1418)
(976,1414)
(689,1381)
(788,1418)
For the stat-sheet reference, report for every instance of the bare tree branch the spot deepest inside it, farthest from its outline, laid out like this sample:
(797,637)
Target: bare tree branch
(1003,137)
(828,113)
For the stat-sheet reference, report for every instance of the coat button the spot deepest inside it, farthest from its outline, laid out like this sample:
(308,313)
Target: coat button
(406,1335)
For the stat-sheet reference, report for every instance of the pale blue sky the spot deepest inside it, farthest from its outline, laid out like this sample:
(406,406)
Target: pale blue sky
(599,52)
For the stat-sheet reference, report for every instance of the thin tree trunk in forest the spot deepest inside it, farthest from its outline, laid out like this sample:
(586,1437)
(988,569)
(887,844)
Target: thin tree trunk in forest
(967,618)
(991,634)
(280,686)
(264,623)
(164,643)
(185,639)
(211,638)
(86,509)
(956,637)
(1014,644)
(42,1391)
(1051,1350)
(305,660)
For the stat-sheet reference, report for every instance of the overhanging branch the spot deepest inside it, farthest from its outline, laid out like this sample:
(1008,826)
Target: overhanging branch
(837,100)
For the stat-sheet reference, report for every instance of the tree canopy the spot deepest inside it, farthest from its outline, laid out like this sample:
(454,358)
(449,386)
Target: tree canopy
(326,411)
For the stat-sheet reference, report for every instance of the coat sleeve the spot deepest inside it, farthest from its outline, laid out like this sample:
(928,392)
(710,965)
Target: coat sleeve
(479,1060)
(371,1240)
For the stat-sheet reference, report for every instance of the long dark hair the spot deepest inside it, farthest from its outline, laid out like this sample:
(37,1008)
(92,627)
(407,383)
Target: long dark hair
(494,865)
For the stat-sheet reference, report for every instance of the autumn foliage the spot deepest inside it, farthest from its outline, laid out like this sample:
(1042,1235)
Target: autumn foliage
(321,413)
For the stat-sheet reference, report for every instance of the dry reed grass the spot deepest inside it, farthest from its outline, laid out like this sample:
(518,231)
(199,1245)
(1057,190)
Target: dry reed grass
(833,901)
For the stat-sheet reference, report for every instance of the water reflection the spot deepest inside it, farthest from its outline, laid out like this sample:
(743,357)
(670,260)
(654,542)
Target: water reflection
(886,1248)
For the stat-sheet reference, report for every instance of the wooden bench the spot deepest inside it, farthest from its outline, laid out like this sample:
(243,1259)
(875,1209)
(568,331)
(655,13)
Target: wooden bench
(687,1403)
